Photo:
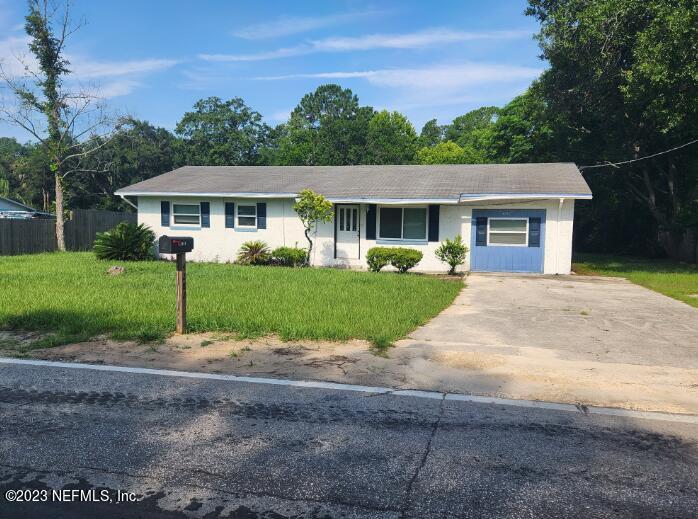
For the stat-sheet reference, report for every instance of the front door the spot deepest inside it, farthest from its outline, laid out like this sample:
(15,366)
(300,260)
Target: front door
(348,225)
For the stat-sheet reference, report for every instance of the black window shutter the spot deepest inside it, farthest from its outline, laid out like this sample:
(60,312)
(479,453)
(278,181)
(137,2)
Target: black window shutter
(229,215)
(433,223)
(205,214)
(481,231)
(371,222)
(261,215)
(165,214)
(534,232)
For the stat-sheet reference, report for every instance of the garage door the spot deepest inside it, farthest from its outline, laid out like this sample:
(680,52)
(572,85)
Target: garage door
(507,240)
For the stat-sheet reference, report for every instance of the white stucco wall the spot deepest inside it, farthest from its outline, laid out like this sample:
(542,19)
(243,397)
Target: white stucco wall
(216,243)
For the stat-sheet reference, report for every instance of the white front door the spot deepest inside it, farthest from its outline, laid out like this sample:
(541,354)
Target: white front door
(348,231)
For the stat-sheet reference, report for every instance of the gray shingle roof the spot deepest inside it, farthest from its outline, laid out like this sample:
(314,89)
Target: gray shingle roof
(381,182)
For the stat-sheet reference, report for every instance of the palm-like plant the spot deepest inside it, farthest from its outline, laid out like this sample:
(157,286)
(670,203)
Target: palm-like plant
(125,242)
(254,253)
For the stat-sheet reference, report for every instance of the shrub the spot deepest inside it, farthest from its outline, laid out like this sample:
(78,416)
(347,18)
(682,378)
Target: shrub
(254,253)
(404,259)
(452,252)
(125,242)
(401,258)
(377,258)
(289,256)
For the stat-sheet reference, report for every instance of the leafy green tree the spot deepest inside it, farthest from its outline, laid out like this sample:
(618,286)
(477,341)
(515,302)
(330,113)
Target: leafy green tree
(328,127)
(622,83)
(140,151)
(464,126)
(525,132)
(442,153)
(221,133)
(312,208)
(431,134)
(10,152)
(391,139)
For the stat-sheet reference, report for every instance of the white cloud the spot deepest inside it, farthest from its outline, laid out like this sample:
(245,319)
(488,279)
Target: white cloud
(435,78)
(413,40)
(123,76)
(287,25)
(117,88)
(89,69)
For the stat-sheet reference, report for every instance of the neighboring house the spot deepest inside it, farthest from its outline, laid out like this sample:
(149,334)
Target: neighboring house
(17,210)
(513,217)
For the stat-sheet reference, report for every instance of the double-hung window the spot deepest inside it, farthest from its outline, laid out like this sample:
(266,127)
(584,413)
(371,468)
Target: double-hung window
(189,214)
(509,232)
(247,216)
(402,223)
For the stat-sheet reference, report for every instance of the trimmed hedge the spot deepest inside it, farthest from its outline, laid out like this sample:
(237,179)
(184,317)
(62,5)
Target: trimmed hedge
(401,258)
(289,256)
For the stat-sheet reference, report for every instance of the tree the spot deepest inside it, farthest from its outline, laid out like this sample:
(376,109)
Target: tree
(56,117)
(328,128)
(391,139)
(221,133)
(11,152)
(442,153)
(311,209)
(431,134)
(464,126)
(140,151)
(622,83)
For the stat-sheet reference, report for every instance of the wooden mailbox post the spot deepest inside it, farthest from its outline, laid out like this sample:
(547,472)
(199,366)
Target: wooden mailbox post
(179,245)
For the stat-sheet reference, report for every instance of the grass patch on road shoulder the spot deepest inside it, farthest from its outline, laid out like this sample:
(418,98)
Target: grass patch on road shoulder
(671,278)
(71,297)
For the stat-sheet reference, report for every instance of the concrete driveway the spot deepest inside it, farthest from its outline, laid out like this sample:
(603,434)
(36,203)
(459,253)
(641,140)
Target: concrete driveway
(591,339)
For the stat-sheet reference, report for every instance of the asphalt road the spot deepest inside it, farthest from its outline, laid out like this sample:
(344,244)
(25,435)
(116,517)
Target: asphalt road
(206,448)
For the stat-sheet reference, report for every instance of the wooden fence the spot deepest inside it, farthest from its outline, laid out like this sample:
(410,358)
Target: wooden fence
(29,236)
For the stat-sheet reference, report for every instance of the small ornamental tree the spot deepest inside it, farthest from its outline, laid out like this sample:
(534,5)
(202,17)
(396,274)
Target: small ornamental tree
(311,209)
(452,252)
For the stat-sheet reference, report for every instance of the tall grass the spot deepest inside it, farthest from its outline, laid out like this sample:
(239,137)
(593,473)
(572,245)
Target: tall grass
(71,296)
(671,278)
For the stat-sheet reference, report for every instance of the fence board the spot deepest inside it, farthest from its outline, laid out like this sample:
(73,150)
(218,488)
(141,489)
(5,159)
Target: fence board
(31,236)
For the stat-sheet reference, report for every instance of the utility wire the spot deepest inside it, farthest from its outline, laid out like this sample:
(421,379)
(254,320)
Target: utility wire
(616,164)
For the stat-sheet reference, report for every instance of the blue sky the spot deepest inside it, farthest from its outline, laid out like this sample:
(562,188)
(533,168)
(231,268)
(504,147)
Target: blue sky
(155,59)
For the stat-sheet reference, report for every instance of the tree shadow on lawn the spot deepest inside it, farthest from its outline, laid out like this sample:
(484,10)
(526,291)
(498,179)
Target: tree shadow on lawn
(623,265)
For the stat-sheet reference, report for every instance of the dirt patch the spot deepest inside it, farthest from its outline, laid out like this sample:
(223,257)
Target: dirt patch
(504,371)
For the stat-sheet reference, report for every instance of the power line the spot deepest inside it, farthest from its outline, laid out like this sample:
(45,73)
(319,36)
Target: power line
(616,164)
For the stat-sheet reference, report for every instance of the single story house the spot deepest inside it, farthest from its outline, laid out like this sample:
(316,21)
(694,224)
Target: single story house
(18,211)
(513,217)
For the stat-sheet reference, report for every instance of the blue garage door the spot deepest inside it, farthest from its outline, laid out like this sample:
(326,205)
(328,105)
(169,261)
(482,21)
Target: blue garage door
(507,240)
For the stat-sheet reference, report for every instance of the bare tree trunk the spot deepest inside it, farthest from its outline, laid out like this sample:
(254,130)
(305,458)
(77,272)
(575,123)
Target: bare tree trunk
(310,246)
(60,236)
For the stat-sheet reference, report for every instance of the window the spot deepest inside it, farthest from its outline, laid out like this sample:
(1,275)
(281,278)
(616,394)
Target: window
(512,232)
(403,223)
(187,213)
(348,218)
(247,215)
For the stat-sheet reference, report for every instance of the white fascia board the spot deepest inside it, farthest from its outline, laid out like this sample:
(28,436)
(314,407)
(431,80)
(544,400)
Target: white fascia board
(393,201)
(207,195)
(464,198)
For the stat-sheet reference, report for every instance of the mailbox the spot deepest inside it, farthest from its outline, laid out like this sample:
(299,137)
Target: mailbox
(175,244)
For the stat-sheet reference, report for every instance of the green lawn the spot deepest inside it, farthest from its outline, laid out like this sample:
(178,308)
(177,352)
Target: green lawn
(71,297)
(671,278)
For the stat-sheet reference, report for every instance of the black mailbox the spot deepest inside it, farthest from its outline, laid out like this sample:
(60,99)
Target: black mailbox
(175,244)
